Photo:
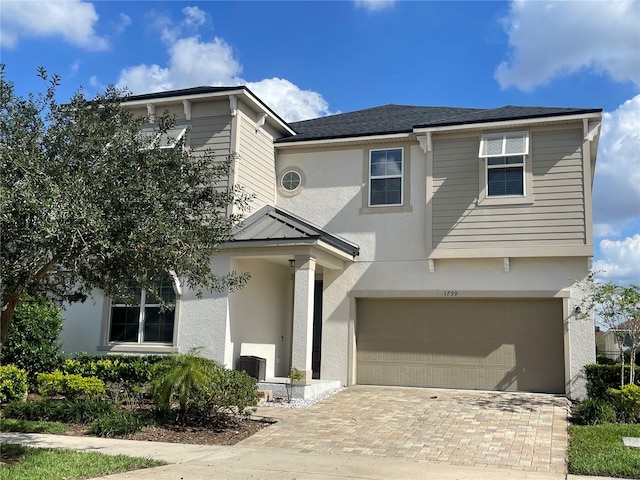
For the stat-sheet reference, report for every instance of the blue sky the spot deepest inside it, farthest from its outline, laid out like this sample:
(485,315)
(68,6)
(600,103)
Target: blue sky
(307,59)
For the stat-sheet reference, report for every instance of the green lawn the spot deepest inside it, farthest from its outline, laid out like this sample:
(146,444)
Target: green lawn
(25,463)
(598,450)
(29,426)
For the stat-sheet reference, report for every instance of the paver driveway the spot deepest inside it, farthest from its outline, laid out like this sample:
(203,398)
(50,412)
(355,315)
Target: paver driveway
(518,431)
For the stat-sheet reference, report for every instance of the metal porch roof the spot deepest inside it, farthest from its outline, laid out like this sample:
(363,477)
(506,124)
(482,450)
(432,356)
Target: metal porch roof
(275,226)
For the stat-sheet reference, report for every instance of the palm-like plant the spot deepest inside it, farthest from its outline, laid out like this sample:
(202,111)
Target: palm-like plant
(182,378)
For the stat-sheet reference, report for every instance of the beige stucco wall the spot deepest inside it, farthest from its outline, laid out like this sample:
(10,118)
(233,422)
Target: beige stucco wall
(393,262)
(261,315)
(393,259)
(82,325)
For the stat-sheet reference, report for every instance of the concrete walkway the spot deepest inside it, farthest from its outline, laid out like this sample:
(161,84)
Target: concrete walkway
(199,462)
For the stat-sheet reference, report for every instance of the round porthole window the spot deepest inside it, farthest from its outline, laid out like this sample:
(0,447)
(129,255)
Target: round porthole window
(291,181)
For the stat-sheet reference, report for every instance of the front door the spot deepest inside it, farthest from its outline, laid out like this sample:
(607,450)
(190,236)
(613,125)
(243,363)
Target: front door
(317,329)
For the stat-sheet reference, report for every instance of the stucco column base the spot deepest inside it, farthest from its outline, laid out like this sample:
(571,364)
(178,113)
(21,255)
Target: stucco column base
(302,341)
(307,375)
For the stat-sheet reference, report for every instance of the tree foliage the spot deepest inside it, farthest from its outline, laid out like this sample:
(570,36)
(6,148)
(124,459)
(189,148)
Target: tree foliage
(87,201)
(618,308)
(33,342)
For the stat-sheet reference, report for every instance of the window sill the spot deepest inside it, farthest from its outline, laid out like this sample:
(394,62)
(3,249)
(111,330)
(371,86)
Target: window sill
(138,348)
(506,201)
(383,209)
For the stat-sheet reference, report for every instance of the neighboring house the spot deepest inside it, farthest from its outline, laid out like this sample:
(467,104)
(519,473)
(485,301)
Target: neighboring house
(600,341)
(612,338)
(398,245)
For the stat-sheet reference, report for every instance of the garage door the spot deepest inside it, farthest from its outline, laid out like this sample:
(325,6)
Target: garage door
(496,344)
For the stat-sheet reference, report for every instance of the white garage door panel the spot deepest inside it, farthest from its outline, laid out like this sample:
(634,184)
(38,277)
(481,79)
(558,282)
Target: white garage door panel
(506,344)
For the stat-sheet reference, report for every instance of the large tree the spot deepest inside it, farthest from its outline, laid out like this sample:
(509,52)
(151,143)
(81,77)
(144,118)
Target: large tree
(88,201)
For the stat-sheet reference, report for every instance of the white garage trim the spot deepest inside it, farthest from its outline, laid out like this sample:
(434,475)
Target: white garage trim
(564,294)
(510,344)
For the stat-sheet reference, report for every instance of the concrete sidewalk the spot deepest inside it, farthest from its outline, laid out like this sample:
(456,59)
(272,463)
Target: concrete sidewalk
(204,462)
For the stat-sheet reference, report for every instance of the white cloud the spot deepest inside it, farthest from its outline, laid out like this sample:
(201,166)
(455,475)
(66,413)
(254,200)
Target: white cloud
(620,262)
(551,39)
(194,17)
(74,20)
(96,84)
(374,5)
(74,68)
(616,195)
(124,21)
(193,62)
(288,101)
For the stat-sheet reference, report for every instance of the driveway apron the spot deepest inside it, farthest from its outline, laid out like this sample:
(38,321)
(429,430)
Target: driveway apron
(516,431)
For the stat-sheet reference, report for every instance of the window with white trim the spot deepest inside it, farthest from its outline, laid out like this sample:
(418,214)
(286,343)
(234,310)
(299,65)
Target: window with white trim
(505,155)
(291,180)
(146,319)
(167,139)
(385,177)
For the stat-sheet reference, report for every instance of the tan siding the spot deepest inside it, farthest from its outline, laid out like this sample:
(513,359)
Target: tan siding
(556,216)
(257,169)
(214,134)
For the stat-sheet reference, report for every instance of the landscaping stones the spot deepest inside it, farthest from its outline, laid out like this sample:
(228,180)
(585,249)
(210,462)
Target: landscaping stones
(631,442)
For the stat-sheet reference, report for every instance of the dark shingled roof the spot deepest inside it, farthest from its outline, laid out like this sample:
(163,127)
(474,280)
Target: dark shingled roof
(389,119)
(183,92)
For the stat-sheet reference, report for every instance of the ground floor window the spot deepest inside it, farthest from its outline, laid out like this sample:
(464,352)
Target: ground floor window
(147,319)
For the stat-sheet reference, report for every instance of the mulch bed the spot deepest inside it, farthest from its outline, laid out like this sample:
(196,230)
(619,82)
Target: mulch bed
(199,435)
(9,458)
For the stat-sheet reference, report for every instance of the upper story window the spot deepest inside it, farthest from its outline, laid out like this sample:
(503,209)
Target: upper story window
(505,156)
(385,177)
(168,139)
(145,321)
(291,180)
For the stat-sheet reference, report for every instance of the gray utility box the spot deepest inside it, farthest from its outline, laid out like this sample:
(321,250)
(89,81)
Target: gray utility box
(254,366)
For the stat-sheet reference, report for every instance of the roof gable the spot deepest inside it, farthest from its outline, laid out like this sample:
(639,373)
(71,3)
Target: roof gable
(273,225)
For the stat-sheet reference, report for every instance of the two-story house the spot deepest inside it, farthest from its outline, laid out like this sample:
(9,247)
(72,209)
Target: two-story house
(397,245)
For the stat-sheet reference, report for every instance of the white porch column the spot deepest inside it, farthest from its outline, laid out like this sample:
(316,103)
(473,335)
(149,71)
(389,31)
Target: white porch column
(302,342)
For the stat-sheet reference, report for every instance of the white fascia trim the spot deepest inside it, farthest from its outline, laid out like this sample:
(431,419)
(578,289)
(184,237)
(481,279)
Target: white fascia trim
(513,252)
(180,98)
(427,294)
(312,242)
(346,140)
(244,94)
(177,285)
(260,107)
(507,123)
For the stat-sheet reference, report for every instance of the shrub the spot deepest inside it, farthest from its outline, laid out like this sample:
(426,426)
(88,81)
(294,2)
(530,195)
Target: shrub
(117,423)
(594,412)
(13,384)
(231,393)
(51,384)
(68,411)
(126,377)
(626,402)
(602,359)
(123,369)
(202,388)
(182,378)
(33,339)
(600,378)
(70,386)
